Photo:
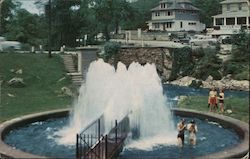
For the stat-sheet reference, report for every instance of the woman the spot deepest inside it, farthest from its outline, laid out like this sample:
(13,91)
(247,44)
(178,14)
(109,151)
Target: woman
(192,129)
(221,100)
(212,100)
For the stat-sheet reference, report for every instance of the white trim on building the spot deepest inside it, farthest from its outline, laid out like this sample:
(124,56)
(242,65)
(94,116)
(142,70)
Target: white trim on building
(235,16)
(175,15)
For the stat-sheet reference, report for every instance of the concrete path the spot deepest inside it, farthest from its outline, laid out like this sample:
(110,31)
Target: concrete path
(169,44)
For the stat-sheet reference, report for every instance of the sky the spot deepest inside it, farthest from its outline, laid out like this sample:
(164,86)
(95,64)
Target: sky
(29,6)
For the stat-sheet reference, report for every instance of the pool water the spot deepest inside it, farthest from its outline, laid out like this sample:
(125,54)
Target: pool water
(211,137)
(39,138)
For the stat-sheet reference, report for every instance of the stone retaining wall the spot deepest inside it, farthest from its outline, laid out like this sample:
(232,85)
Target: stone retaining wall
(160,56)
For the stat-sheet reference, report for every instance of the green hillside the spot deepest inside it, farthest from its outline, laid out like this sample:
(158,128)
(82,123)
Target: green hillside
(42,90)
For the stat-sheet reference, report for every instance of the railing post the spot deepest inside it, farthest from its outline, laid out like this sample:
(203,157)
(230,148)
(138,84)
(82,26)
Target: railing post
(77,148)
(99,135)
(84,150)
(115,131)
(106,146)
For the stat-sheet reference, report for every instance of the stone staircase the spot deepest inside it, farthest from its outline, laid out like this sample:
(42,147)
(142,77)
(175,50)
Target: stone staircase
(76,77)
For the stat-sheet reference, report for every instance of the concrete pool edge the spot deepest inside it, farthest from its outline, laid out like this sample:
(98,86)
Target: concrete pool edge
(7,151)
(241,128)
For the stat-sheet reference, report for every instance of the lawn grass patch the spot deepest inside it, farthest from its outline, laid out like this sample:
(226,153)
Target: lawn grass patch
(41,76)
(239,106)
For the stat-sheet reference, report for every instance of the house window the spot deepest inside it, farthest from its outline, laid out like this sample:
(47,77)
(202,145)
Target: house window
(168,13)
(241,20)
(240,6)
(191,23)
(230,21)
(219,21)
(163,5)
(157,25)
(228,7)
(181,25)
(157,14)
(168,25)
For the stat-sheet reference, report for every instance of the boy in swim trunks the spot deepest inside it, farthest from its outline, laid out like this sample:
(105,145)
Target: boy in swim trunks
(181,132)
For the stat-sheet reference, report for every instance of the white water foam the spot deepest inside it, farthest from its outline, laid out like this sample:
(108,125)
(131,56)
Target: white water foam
(115,93)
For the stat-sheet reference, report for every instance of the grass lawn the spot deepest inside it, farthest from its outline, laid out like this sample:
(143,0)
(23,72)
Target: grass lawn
(41,76)
(239,106)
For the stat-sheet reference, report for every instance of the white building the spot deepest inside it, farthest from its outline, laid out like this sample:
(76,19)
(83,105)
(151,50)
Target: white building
(175,15)
(235,15)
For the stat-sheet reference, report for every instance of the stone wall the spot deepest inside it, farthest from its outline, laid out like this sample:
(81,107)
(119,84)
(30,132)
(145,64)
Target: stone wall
(158,55)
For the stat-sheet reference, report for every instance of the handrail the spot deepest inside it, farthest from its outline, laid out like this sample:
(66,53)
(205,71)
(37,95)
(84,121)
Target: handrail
(92,123)
(92,141)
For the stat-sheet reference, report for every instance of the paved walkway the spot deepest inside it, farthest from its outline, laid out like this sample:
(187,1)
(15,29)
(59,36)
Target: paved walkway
(169,44)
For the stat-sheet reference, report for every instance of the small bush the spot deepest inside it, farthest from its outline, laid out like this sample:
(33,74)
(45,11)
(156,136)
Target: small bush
(196,84)
(111,49)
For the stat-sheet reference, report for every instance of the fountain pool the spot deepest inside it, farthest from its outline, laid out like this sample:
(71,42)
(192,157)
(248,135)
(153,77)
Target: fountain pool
(210,139)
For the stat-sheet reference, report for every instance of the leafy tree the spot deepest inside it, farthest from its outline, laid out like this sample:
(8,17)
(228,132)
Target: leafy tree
(208,64)
(7,9)
(141,13)
(110,14)
(182,62)
(25,27)
(241,46)
(208,8)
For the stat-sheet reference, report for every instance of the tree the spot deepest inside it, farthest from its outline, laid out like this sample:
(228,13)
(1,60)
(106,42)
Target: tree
(241,46)
(7,10)
(141,13)
(208,8)
(110,14)
(25,28)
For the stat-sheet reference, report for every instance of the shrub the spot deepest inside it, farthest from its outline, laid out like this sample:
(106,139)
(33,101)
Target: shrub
(208,64)
(182,62)
(111,49)
(195,84)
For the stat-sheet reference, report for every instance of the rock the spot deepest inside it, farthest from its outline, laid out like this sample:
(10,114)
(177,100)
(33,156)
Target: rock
(209,78)
(10,95)
(185,81)
(12,70)
(20,71)
(229,111)
(66,91)
(16,82)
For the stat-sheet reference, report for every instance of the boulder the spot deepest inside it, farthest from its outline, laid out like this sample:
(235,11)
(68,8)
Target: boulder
(209,78)
(20,71)
(66,91)
(185,81)
(16,82)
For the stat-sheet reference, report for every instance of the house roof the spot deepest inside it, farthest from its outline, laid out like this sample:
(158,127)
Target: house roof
(232,14)
(233,1)
(178,1)
(176,5)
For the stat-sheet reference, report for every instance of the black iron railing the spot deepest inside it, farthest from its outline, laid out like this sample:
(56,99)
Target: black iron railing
(93,143)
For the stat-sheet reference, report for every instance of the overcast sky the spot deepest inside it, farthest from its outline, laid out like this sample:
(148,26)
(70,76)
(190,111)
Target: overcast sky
(29,5)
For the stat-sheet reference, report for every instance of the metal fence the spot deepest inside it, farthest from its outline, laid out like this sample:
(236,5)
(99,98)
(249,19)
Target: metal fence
(92,143)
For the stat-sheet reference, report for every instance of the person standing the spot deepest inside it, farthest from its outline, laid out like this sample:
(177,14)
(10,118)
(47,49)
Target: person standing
(212,99)
(221,100)
(181,132)
(192,129)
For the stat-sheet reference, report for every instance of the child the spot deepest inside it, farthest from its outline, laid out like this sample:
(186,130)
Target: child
(192,129)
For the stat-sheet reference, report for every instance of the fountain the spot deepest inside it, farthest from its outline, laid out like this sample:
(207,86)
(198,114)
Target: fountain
(135,91)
